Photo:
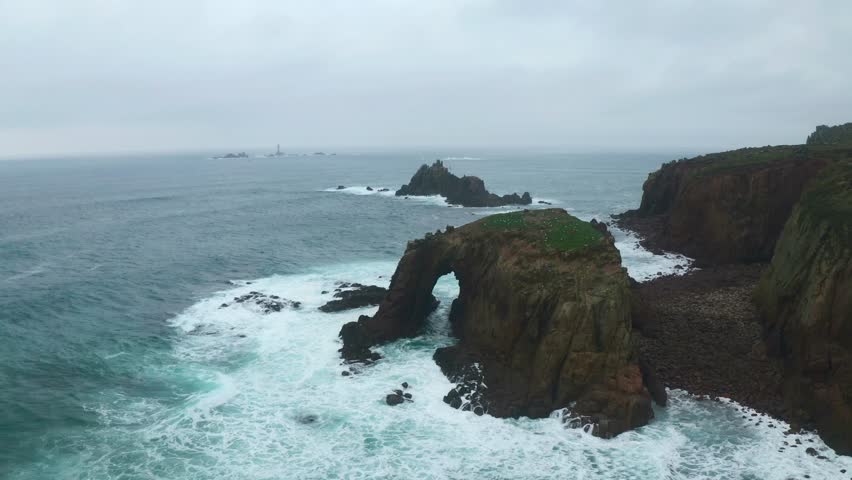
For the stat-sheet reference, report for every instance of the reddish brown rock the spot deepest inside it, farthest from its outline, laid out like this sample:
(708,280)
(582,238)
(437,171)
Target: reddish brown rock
(726,207)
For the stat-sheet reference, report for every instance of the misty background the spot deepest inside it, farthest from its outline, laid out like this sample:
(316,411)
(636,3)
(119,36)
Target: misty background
(105,76)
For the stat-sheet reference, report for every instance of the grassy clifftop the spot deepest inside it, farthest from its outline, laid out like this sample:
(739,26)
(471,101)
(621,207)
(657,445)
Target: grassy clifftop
(555,228)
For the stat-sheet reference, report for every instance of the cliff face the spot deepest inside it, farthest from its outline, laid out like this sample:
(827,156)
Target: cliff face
(542,317)
(806,303)
(726,207)
(466,191)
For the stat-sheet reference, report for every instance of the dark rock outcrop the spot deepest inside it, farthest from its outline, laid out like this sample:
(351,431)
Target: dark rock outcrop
(466,191)
(726,207)
(267,303)
(354,295)
(543,314)
(399,396)
(836,135)
(805,299)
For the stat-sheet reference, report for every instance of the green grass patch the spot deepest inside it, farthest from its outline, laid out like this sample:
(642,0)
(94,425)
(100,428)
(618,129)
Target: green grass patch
(747,157)
(557,231)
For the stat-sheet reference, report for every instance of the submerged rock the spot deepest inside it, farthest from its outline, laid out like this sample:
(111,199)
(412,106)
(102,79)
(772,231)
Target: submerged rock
(307,419)
(543,318)
(355,295)
(267,303)
(467,191)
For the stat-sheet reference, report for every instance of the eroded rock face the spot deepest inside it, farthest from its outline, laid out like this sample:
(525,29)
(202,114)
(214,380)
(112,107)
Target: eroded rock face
(726,207)
(543,312)
(466,191)
(805,299)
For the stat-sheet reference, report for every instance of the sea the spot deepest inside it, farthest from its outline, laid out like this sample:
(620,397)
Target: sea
(118,361)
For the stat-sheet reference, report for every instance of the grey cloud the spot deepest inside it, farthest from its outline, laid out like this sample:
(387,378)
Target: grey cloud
(99,76)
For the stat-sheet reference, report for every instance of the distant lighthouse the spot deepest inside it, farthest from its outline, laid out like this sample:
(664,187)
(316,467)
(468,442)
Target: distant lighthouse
(278,150)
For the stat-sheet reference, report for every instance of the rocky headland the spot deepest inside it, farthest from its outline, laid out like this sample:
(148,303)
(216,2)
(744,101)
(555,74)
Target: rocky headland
(726,207)
(543,319)
(467,191)
(767,321)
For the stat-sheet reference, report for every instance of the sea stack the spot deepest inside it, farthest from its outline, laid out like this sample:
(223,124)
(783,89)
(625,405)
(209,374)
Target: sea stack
(467,191)
(543,319)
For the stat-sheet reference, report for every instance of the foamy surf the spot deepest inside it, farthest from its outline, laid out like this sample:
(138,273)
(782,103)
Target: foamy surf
(272,404)
(390,192)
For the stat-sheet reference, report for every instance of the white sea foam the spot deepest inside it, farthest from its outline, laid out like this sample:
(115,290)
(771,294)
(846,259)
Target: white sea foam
(643,265)
(37,270)
(273,404)
(362,190)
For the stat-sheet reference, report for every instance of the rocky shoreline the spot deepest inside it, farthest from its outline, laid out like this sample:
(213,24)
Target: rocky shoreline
(701,332)
(547,318)
(767,320)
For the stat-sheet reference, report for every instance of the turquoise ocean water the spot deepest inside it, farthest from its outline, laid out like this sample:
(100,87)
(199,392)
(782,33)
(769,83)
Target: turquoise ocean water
(117,362)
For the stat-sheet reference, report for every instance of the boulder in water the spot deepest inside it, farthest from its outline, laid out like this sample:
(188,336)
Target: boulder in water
(348,296)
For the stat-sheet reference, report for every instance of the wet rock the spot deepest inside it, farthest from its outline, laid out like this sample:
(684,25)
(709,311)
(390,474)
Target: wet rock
(340,187)
(354,295)
(346,373)
(267,303)
(811,451)
(542,202)
(404,384)
(384,189)
(369,189)
(398,397)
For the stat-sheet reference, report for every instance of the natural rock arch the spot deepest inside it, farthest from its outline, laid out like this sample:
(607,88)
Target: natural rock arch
(543,308)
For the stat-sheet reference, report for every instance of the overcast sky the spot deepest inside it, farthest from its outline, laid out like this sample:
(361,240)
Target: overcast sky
(99,76)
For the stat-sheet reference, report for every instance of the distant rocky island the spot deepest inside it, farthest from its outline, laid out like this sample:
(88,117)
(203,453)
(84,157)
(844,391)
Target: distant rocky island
(548,319)
(467,191)
(233,155)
